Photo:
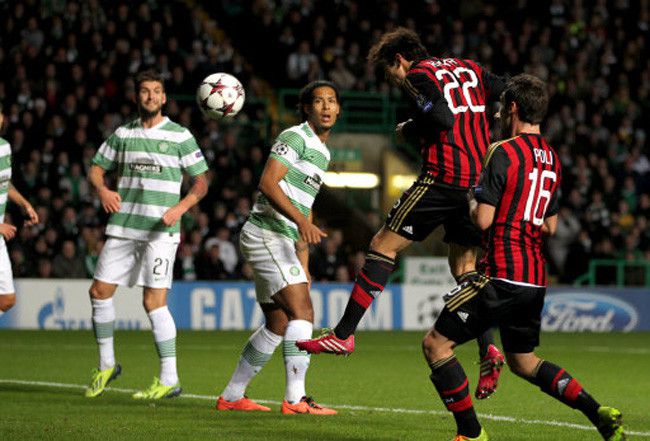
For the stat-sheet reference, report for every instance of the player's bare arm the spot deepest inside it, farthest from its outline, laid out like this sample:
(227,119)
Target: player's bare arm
(273,173)
(110,200)
(482,214)
(197,192)
(15,196)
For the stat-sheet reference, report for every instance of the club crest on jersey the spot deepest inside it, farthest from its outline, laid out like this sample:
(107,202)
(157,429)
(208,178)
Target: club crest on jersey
(163,147)
(314,181)
(280,148)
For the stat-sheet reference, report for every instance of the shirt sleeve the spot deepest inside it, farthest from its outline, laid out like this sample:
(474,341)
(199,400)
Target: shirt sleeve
(106,156)
(493,177)
(494,85)
(192,159)
(432,109)
(288,148)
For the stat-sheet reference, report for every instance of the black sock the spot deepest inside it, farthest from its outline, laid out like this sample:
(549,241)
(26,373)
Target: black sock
(368,285)
(484,341)
(487,338)
(451,383)
(558,383)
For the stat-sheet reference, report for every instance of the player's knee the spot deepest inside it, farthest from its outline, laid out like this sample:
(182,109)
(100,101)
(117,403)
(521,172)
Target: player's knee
(7,302)
(302,314)
(522,365)
(95,292)
(434,347)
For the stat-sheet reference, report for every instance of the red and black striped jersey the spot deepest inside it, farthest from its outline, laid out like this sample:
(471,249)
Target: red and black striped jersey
(451,95)
(521,178)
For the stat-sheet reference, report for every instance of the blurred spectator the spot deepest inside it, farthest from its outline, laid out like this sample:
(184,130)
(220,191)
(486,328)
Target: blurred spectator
(67,265)
(209,265)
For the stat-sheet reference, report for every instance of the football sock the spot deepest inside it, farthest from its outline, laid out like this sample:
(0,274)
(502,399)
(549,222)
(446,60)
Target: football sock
(164,334)
(368,285)
(256,354)
(451,383)
(103,324)
(484,341)
(487,338)
(556,382)
(296,362)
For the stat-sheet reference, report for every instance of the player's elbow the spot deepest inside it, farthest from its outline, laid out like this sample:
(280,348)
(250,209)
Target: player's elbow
(482,223)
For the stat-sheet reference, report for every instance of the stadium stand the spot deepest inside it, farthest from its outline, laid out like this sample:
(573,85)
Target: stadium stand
(65,84)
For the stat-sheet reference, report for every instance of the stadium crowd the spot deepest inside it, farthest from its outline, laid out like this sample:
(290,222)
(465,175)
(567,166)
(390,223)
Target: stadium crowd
(65,82)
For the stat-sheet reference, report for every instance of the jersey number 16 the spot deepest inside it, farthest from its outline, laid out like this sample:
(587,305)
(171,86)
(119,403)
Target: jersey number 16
(539,189)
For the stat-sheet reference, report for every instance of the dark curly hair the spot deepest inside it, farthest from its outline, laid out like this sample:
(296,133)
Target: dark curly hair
(400,41)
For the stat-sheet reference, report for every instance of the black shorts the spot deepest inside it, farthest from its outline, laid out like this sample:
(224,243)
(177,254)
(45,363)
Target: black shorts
(425,206)
(478,304)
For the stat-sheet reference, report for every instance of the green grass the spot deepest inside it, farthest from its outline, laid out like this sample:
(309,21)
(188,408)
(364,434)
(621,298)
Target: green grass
(387,371)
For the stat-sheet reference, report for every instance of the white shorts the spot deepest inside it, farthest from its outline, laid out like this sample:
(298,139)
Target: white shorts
(274,262)
(6,276)
(129,262)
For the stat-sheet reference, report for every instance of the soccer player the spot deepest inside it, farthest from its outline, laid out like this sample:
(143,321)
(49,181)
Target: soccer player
(275,242)
(149,155)
(8,231)
(449,96)
(516,204)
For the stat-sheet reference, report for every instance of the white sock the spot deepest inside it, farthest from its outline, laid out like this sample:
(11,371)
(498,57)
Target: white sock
(164,334)
(103,323)
(296,362)
(256,354)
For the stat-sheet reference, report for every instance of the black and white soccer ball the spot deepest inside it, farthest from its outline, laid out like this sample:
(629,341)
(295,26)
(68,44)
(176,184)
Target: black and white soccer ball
(220,95)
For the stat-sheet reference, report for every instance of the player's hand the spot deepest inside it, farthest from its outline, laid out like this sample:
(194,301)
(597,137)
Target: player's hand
(32,216)
(399,130)
(172,216)
(111,200)
(7,231)
(310,233)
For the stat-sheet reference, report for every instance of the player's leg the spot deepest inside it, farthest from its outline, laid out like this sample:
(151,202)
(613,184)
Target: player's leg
(7,290)
(295,300)
(448,376)
(167,384)
(103,316)
(559,384)
(257,352)
(464,239)
(371,280)
(155,275)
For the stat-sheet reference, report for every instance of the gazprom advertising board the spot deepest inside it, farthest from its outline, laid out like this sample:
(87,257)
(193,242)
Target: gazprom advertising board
(64,304)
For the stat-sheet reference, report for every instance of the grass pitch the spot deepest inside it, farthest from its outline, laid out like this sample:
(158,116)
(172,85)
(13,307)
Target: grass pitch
(382,392)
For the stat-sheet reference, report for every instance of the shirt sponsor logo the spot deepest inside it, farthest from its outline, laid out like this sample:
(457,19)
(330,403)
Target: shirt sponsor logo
(148,168)
(578,312)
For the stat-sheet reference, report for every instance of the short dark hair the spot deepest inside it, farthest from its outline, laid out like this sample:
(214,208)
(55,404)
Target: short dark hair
(306,96)
(531,96)
(400,41)
(148,75)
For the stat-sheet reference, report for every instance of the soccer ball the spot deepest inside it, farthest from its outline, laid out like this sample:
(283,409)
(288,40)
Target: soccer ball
(220,95)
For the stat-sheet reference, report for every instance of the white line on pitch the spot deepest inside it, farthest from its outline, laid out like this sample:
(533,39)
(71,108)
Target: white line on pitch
(500,418)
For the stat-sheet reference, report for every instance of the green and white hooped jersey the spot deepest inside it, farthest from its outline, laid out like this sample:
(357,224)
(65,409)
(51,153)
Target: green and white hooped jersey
(5,176)
(150,164)
(307,158)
